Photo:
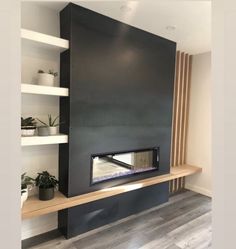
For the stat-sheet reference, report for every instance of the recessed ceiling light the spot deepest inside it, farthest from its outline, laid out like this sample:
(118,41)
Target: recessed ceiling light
(125,8)
(170,27)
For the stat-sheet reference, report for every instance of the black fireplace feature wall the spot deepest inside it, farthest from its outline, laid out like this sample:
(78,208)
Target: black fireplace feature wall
(83,218)
(120,80)
(112,165)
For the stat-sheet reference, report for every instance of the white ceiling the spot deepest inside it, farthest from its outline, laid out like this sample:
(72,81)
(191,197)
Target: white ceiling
(191,19)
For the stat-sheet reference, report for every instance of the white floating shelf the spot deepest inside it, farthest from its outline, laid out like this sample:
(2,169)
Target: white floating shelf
(44,41)
(45,90)
(42,140)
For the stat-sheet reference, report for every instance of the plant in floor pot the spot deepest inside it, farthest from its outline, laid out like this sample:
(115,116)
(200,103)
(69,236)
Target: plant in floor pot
(50,128)
(46,79)
(46,184)
(28,126)
(26,181)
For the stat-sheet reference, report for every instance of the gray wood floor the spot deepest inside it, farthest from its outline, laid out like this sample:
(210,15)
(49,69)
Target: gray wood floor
(182,223)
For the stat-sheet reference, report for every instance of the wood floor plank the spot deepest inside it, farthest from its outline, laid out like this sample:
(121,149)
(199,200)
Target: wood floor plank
(158,238)
(193,227)
(57,244)
(200,241)
(116,235)
(195,234)
(182,207)
(173,247)
(156,233)
(182,223)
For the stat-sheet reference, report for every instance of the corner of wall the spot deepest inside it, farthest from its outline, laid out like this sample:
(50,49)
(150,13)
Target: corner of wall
(199,126)
(198,189)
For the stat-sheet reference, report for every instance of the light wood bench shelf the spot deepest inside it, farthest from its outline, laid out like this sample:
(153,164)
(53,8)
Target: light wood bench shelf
(33,207)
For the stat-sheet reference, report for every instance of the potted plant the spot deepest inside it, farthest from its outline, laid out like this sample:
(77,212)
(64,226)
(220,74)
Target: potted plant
(25,182)
(50,128)
(46,79)
(46,184)
(28,126)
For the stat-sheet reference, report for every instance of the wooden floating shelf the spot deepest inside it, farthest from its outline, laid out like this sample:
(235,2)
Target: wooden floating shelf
(42,140)
(33,207)
(44,90)
(44,41)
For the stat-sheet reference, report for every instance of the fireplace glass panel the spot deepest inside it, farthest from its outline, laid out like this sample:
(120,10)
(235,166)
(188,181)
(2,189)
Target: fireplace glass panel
(116,165)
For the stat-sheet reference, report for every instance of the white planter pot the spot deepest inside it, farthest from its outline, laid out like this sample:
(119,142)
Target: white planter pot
(27,131)
(53,130)
(47,131)
(46,79)
(24,197)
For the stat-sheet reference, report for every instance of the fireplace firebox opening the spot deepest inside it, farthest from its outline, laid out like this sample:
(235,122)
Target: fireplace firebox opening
(113,165)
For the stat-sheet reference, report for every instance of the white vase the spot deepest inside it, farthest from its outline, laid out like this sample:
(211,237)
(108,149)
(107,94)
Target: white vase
(46,79)
(24,196)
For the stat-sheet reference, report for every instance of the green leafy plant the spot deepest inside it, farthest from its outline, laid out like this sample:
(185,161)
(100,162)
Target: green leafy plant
(45,180)
(51,121)
(28,122)
(26,181)
(49,72)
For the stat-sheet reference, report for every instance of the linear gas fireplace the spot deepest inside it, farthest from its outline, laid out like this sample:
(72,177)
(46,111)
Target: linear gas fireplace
(109,166)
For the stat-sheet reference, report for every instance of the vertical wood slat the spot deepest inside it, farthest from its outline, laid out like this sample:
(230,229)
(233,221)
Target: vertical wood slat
(180,115)
(188,85)
(180,110)
(183,113)
(174,121)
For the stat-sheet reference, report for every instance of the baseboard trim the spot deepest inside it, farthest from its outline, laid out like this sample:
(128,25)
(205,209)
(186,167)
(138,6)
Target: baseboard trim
(198,189)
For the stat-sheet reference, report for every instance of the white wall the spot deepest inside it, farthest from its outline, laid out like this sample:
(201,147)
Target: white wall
(199,128)
(10,124)
(224,123)
(38,158)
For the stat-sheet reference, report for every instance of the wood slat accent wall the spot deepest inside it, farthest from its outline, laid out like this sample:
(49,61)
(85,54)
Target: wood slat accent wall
(180,115)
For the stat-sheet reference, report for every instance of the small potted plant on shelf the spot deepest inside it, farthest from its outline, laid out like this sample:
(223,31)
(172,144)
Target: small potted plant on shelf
(28,126)
(46,79)
(46,184)
(50,128)
(26,181)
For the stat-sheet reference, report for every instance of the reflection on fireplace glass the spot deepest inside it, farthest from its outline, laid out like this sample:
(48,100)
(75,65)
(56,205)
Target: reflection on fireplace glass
(115,165)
